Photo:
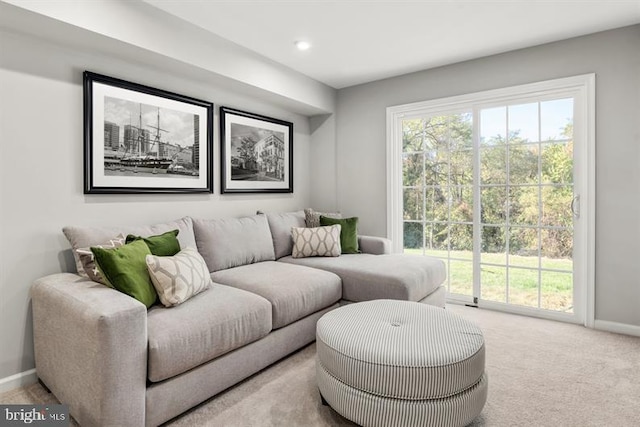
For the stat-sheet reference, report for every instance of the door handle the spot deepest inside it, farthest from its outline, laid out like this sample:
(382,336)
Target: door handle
(575,206)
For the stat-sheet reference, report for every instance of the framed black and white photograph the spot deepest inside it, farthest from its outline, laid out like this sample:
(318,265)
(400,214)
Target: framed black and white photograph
(256,153)
(138,139)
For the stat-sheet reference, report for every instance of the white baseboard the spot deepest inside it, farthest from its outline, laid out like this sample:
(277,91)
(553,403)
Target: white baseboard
(619,328)
(18,380)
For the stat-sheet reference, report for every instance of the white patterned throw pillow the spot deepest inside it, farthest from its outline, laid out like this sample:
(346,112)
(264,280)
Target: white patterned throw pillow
(316,241)
(177,278)
(89,266)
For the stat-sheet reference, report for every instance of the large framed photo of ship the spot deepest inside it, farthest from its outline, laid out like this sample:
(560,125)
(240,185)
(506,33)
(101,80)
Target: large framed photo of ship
(138,139)
(256,153)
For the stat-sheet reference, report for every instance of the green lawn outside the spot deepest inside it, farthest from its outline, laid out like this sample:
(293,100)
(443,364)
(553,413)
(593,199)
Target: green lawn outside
(556,290)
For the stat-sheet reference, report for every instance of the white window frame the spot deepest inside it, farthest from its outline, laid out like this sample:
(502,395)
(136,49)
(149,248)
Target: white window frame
(582,89)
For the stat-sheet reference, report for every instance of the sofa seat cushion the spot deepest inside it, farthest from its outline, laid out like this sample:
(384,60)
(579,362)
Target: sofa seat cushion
(294,291)
(210,324)
(368,277)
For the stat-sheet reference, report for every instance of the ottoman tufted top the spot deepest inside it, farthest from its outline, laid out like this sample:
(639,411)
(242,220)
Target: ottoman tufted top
(400,349)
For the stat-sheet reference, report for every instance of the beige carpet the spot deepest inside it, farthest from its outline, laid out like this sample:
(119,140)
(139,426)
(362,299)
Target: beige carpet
(541,373)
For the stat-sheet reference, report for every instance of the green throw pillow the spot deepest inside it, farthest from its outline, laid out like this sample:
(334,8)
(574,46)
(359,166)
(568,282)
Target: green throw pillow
(348,233)
(165,244)
(125,269)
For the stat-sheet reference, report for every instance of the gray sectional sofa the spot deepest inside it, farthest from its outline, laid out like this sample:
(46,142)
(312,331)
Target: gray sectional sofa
(118,364)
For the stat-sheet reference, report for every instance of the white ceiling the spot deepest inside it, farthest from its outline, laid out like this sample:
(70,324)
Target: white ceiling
(355,41)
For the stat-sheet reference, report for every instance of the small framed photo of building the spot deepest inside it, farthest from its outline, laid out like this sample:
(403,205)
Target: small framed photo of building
(256,153)
(138,139)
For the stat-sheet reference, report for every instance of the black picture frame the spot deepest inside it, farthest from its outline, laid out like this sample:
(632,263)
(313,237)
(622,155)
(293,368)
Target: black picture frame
(256,153)
(139,139)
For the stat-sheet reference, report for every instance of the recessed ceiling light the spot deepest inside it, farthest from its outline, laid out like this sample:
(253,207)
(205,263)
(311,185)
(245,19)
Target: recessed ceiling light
(302,45)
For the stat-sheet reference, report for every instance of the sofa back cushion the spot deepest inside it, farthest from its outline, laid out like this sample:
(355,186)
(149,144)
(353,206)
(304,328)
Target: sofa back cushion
(231,242)
(85,236)
(281,224)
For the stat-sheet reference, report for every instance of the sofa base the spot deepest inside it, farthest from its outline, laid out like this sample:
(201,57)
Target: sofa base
(437,297)
(205,381)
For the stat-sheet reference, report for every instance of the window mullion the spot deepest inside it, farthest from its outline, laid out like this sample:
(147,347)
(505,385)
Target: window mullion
(424,186)
(477,240)
(507,175)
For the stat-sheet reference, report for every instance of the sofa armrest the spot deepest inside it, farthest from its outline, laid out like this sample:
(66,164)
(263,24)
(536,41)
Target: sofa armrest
(91,349)
(374,245)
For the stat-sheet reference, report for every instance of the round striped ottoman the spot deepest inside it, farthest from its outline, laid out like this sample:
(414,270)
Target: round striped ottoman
(400,363)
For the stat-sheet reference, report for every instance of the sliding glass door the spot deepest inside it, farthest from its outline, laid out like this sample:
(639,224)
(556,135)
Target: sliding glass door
(492,189)
(525,198)
(438,193)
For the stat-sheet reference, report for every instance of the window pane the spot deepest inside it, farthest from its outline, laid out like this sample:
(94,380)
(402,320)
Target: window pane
(556,206)
(557,163)
(493,205)
(412,235)
(461,241)
(413,203)
(493,126)
(556,119)
(437,167)
(523,287)
(461,167)
(556,291)
(461,127)
(461,277)
(493,283)
(493,165)
(523,123)
(436,133)
(558,263)
(412,133)
(438,238)
(523,206)
(493,245)
(436,204)
(523,164)
(556,244)
(437,253)
(523,247)
(412,168)
(461,204)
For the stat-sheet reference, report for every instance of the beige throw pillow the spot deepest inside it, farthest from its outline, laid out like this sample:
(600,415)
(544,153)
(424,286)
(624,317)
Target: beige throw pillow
(316,241)
(177,278)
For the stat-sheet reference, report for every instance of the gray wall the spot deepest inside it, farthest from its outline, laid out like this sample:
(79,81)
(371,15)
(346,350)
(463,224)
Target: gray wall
(323,163)
(615,58)
(41,152)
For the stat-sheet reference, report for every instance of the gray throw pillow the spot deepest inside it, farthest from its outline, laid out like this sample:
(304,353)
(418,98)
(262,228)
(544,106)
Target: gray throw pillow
(312,218)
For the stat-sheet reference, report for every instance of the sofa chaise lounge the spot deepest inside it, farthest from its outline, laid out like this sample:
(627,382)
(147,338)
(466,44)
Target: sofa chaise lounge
(117,363)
